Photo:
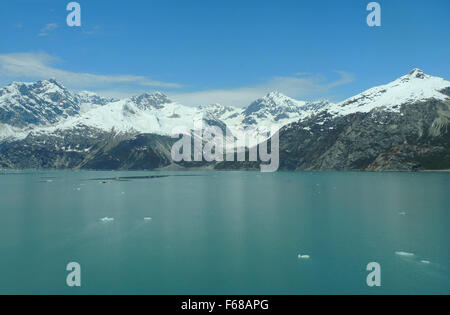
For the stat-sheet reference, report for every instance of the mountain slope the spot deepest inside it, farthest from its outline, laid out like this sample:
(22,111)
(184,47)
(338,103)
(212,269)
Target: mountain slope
(414,87)
(157,114)
(275,109)
(403,125)
(43,103)
(377,140)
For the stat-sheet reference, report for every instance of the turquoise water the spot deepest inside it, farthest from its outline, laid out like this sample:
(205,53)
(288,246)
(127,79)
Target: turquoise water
(224,232)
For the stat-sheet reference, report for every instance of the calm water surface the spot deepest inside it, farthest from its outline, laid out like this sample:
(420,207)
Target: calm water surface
(224,232)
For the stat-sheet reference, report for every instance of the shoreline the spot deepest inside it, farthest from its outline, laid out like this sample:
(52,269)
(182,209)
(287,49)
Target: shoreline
(219,171)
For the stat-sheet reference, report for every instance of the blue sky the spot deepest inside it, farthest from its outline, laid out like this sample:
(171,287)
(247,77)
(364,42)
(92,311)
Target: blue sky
(230,51)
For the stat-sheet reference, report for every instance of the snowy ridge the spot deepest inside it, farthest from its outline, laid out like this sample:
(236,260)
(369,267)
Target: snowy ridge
(157,114)
(275,107)
(136,115)
(89,100)
(43,103)
(46,107)
(274,110)
(413,87)
(219,111)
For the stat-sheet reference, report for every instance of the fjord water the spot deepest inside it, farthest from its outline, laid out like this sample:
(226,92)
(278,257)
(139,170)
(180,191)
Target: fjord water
(224,232)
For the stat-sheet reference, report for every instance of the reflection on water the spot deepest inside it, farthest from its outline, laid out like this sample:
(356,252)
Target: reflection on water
(224,232)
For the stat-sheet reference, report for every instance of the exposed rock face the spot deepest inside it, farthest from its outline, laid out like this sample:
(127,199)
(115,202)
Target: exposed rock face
(78,150)
(276,106)
(401,126)
(42,103)
(149,101)
(143,152)
(415,138)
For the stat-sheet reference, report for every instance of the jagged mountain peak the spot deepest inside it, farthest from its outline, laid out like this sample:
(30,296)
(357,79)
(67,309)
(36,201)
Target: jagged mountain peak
(274,106)
(417,73)
(52,81)
(41,86)
(151,100)
(414,87)
(217,114)
(274,102)
(47,102)
(37,103)
(44,102)
(89,100)
(275,94)
(276,98)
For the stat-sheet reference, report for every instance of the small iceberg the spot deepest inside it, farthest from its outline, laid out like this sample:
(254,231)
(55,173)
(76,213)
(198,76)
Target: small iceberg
(404,254)
(106,219)
(303,257)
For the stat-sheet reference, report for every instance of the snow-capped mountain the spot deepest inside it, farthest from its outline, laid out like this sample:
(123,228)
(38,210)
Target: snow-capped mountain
(275,106)
(155,100)
(219,111)
(89,100)
(146,113)
(40,103)
(273,110)
(43,103)
(46,107)
(402,125)
(414,87)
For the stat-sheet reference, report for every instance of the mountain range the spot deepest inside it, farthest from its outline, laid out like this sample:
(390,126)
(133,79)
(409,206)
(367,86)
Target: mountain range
(402,125)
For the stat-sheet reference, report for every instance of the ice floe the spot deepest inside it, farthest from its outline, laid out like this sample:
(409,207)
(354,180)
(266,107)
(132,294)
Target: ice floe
(404,254)
(413,257)
(106,219)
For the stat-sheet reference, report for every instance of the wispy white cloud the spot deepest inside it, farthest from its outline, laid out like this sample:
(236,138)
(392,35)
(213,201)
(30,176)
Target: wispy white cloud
(36,66)
(47,29)
(40,66)
(298,87)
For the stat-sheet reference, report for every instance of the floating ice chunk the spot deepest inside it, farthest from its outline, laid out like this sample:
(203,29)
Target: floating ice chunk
(304,257)
(106,219)
(404,254)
